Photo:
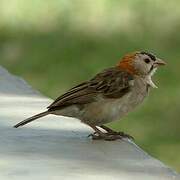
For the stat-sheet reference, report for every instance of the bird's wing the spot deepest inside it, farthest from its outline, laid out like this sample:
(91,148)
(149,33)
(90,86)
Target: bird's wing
(111,83)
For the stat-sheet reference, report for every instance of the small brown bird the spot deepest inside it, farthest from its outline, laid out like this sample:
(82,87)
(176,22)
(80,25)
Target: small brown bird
(109,96)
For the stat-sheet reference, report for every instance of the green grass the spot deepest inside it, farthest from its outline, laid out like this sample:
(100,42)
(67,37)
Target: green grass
(59,46)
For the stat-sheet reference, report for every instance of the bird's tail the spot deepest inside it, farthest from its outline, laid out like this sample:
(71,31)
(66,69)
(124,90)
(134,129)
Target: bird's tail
(22,123)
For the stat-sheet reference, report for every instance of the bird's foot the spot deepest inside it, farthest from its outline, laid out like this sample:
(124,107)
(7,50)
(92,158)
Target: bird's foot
(105,136)
(112,132)
(122,134)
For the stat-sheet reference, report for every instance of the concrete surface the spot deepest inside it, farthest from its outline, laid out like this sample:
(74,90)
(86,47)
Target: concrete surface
(55,148)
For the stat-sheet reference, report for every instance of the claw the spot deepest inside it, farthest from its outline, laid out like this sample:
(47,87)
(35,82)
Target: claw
(110,136)
(105,136)
(112,132)
(94,134)
(122,134)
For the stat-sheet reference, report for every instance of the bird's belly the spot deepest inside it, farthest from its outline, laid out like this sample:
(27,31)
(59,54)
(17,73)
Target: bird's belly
(109,110)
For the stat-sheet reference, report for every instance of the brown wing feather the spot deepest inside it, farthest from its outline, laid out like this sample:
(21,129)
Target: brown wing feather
(111,83)
(74,91)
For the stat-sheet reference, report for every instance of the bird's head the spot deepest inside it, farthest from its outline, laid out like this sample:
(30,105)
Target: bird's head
(140,63)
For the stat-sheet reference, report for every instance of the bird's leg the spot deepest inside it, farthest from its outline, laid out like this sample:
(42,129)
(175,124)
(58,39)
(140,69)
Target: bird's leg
(112,132)
(108,130)
(98,135)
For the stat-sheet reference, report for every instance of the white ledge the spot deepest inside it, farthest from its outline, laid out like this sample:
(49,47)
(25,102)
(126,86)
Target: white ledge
(55,148)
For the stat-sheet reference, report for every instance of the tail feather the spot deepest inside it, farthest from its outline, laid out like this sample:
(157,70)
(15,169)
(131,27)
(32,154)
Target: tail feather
(22,123)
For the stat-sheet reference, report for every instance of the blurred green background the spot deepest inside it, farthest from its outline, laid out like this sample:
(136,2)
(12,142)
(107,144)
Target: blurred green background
(55,44)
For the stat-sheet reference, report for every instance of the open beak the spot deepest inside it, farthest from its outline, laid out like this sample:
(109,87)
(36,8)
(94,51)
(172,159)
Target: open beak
(159,62)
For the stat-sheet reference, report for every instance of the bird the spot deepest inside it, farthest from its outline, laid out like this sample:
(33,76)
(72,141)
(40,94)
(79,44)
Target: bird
(108,96)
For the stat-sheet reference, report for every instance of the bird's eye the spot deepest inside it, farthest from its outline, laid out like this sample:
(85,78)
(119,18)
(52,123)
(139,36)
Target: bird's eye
(147,61)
